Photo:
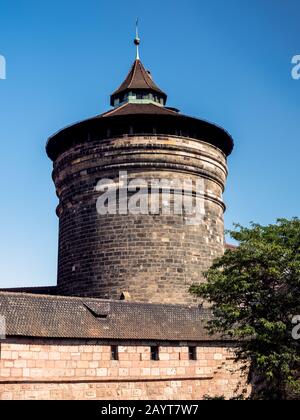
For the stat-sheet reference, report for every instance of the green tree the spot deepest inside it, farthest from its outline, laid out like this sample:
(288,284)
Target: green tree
(255,294)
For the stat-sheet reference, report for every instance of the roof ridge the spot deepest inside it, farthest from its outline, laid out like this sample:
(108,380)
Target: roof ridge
(145,75)
(134,71)
(53,297)
(111,111)
(85,299)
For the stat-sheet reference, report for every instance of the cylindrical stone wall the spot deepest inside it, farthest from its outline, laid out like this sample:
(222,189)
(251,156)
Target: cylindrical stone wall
(145,257)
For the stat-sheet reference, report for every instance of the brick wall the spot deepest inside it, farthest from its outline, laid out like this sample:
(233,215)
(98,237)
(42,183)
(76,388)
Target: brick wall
(31,369)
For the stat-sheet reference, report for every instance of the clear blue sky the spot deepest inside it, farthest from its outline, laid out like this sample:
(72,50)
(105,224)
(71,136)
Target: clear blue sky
(225,61)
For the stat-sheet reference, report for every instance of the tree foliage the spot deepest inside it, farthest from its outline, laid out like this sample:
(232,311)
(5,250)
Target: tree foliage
(255,294)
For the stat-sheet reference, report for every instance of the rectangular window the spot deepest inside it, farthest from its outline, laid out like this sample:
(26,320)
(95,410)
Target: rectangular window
(192,353)
(114,353)
(155,353)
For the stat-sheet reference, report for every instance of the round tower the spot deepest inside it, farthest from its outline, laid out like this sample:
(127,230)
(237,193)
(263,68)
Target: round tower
(150,255)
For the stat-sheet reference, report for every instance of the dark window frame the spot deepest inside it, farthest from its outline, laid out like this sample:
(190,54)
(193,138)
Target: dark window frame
(114,352)
(192,353)
(154,353)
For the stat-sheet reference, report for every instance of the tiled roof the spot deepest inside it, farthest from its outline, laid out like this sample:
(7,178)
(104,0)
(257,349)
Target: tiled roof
(131,109)
(138,78)
(42,316)
(118,121)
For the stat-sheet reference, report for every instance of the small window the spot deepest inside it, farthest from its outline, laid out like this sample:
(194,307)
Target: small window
(114,353)
(192,353)
(154,353)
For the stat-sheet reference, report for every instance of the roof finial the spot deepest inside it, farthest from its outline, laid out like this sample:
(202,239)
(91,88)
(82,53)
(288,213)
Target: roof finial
(137,40)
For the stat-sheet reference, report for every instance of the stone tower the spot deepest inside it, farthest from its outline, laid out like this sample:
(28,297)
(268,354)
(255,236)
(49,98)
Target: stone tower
(151,257)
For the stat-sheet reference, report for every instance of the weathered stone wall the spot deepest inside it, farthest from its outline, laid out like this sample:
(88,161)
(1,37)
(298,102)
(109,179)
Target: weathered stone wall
(154,258)
(66,369)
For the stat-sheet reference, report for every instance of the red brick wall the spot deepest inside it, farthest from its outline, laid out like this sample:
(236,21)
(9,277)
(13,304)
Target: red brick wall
(64,370)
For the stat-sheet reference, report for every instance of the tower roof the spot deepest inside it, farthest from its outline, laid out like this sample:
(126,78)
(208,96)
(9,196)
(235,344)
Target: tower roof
(138,79)
(139,107)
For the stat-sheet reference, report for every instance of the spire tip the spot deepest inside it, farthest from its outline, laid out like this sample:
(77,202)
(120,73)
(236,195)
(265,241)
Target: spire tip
(137,40)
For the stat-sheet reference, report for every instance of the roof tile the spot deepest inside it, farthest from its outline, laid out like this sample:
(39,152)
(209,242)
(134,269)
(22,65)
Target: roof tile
(138,78)
(42,316)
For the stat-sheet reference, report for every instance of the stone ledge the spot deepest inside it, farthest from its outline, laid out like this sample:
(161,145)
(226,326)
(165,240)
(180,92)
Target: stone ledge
(107,379)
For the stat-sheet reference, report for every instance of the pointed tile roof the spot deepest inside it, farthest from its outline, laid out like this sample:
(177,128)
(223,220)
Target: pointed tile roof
(138,78)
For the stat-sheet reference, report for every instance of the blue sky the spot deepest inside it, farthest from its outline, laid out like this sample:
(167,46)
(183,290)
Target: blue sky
(227,62)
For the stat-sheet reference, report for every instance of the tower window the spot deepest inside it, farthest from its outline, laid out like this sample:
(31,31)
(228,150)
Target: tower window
(155,353)
(114,353)
(192,353)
